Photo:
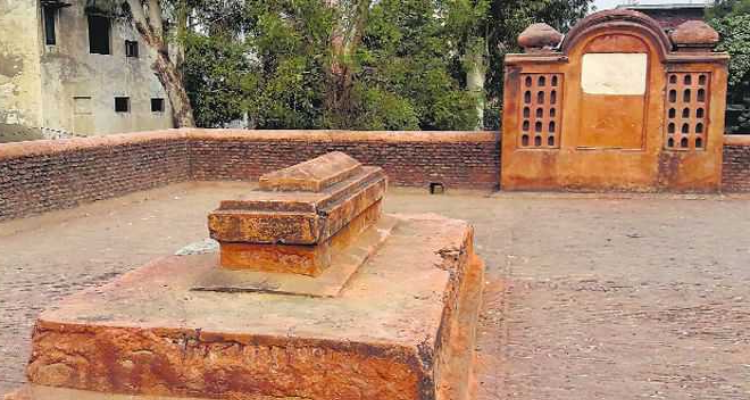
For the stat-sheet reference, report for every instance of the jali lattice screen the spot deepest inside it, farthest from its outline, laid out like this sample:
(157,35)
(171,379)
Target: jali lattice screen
(540,111)
(687,110)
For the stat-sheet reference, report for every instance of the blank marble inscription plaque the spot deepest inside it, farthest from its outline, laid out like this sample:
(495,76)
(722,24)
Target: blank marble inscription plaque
(614,73)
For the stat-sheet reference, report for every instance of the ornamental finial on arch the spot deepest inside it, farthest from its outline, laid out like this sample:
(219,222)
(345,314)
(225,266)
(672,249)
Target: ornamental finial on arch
(694,36)
(539,37)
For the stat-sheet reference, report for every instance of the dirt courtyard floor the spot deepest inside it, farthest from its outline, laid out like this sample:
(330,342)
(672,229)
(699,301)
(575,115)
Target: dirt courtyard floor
(586,298)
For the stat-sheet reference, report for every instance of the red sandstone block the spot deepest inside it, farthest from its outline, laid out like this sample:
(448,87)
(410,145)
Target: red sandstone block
(299,218)
(313,175)
(402,330)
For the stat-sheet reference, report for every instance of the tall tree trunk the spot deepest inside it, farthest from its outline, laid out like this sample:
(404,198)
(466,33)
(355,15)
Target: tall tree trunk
(345,39)
(151,29)
(182,13)
(171,79)
(476,71)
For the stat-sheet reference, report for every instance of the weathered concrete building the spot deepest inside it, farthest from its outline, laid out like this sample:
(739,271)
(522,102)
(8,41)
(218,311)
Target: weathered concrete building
(671,15)
(69,65)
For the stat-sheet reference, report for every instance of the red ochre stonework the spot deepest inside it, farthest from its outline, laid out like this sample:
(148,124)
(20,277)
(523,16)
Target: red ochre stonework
(41,176)
(687,110)
(540,113)
(392,317)
(403,329)
(631,113)
(291,224)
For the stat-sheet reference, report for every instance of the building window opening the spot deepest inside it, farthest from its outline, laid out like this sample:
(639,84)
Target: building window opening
(50,37)
(131,48)
(122,104)
(99,31)
(157,105)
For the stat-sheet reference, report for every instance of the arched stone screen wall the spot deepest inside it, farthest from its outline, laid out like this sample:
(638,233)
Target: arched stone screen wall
(618,105)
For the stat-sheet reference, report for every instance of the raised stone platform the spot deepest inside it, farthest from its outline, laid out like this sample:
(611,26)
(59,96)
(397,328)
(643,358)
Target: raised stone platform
(391,316)
(402,329)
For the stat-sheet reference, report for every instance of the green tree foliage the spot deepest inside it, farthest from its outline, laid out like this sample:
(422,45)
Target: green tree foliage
(484,31)
(213,63)
(261,59)
(732,20)
(407,56)
(506,20)
(724,8)
(735,35)
(358,64)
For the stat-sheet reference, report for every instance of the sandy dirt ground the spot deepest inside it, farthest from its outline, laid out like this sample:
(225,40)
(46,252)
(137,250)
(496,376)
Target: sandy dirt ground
(586,298)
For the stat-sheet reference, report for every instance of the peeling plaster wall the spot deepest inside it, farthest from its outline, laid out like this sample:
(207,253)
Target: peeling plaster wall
(20,85)
(69,70)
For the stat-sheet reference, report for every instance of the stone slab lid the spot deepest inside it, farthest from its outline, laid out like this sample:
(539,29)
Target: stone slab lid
(313,175)
(303,201)
(302,218)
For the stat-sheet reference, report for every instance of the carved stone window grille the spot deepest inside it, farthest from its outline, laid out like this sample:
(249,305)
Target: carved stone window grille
(686,124)
(541,101)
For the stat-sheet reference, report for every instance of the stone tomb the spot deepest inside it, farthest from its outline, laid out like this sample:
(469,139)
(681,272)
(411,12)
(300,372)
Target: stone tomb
(314,294)
(296,219)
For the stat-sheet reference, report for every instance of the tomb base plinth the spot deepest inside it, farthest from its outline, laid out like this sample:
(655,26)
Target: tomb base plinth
(401,327)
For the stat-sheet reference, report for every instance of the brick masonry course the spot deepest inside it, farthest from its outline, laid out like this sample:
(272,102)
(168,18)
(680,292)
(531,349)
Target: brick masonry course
(41,176)
(468,160)
(736,170)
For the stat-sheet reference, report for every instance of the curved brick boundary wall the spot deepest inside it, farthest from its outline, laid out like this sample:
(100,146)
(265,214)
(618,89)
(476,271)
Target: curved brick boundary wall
(42,176)
(736,171)
(45,175)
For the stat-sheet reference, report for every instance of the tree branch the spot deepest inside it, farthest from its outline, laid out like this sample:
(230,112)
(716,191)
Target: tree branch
(181,16)
(155,19)
(140,21)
